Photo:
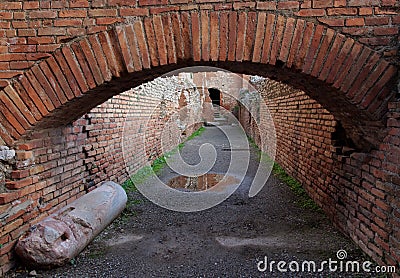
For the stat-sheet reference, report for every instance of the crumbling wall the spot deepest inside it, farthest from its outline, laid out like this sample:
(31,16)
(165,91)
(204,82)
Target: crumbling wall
(53,167)
(358,191)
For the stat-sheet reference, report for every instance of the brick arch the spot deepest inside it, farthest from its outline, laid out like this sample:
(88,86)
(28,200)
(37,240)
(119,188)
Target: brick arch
(349,79)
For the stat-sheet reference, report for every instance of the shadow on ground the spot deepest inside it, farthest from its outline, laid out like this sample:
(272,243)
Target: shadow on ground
(225,241)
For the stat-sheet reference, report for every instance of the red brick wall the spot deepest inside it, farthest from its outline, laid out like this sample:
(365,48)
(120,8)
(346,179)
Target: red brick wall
(358,191)
(31,30)
(55,166)
(357,81)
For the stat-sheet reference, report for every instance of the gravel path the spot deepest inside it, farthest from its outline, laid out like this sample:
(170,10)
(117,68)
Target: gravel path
(225,241)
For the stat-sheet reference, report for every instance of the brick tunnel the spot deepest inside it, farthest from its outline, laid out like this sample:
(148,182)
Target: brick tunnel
(334,59)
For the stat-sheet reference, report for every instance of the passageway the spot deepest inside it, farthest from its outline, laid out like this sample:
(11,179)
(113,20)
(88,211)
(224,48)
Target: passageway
(227,240)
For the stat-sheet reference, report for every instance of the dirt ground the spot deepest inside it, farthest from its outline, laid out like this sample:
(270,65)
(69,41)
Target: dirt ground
(228,240)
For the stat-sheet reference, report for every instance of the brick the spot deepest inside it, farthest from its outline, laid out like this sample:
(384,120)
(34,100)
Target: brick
(26,190)
(243,5)
(315,43)
(356,31)
(376,41)
(186,36)
(152,2)
(103,13)
(214,35)
(120,3)
(22,48)
(362,75)
(266,6)
(305,44)
(265,54)
(51,69)
(205,36)
(79,4)
(160,10)
(160,38)
(196,44)
(72,13)
(67,22)
(11,118)
(113,51)
(42,79)
(223,37)
(374,92)
(341,58)
(19,184)
(311,12)
(298,32)
(363,3)
(52,82)
(20,174)
(42,14)
(15,98)
(27,100)
(288,5)
(276,44)
(369,82)
(335,22)
(250,35)
(385,31)
(259,37)
(30,5)
(376,20)
(322,3)
(7,229)
(7,136)
(134,12)
(365,11)
(342,11)
(10,5)
(336,46)
(241,30)
(69,75)
(351,61)
(40,91)
(345,86)
(132,43)
(81,66)
(92,61)
(355,21)
(144,52)
(169,39)
(149,30)
(76,70)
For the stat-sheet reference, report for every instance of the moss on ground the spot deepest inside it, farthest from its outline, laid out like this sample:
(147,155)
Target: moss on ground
(304,200)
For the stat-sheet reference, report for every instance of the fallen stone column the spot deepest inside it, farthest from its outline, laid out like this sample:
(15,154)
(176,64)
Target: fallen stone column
(64,234)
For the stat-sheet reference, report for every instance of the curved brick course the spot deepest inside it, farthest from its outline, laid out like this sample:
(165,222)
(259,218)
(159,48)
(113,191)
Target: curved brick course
(79,75)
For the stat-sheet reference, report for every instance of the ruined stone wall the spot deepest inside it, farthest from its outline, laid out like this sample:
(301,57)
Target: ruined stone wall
(358,191)
(55,166)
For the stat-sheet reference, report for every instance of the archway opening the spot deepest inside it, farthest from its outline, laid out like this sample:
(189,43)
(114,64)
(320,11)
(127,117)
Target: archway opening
(215,96)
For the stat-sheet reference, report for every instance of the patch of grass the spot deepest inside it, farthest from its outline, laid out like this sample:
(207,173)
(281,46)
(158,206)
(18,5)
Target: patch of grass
(304,199)
(143,173)
(196,133)
(156,167)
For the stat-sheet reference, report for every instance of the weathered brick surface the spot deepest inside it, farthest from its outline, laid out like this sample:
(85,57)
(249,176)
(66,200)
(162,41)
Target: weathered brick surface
(357,190)
(85,64)
(55,166)
(337,51)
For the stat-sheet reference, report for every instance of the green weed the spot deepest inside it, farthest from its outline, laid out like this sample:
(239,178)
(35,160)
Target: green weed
(156,167)
(304,199)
